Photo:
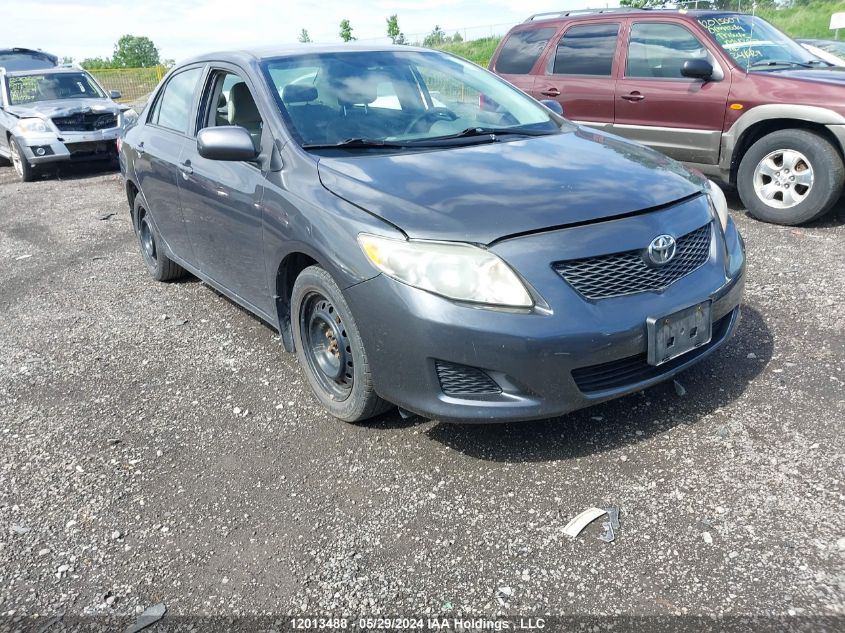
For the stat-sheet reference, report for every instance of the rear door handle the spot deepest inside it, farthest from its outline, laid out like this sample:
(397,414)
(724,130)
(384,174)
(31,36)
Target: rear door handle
(186,168)
(550,92)
(634,96)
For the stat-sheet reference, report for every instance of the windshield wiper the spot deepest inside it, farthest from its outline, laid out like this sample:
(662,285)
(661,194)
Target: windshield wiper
(364,143)
(491,132)
(779,62)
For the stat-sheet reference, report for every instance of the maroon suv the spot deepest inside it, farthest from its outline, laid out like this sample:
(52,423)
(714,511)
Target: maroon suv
(726,93)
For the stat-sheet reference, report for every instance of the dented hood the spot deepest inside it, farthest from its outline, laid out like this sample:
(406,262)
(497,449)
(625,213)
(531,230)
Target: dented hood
(63,107)
(481,193)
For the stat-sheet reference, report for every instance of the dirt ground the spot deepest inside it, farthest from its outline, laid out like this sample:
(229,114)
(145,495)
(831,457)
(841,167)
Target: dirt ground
(157,445)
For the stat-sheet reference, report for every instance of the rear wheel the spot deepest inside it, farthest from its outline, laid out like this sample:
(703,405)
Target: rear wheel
(159,265)
(25,171)
(790,177)
(330,349)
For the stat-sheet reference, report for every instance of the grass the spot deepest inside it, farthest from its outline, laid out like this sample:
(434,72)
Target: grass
(811,21)
(478,51)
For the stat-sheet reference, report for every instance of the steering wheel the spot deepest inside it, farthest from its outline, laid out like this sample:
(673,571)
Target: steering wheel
(438,114)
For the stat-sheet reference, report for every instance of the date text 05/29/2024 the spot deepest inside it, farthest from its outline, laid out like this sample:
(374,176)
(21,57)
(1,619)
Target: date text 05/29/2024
(416,624)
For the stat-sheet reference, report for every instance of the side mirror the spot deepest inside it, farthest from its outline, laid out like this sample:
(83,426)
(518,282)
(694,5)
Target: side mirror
(115,94)
(226,142)
(553,105)
(697,69)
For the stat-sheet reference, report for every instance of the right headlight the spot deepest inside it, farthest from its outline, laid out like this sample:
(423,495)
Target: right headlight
(455,270)
(719,202)
(33,125)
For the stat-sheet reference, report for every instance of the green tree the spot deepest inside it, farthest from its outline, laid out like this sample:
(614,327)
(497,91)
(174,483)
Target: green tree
(436,38)
(135,52)
(393,31)
(346,31)
(304,38)
(457,38)
(92,63)
(66,61)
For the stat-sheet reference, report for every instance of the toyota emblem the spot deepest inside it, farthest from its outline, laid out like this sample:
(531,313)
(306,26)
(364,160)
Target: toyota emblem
(662,249)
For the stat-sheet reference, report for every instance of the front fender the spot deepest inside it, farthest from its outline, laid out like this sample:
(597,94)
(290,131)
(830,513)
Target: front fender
(768,112)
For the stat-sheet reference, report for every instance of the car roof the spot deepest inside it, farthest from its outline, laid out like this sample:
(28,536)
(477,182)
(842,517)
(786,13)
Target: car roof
(586,14)
(45,71)
(295,50)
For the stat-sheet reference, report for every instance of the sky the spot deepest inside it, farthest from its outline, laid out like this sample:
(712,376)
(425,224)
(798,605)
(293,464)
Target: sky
(182,28)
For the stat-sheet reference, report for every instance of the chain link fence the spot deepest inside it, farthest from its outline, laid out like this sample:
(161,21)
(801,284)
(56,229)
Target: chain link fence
(134,84)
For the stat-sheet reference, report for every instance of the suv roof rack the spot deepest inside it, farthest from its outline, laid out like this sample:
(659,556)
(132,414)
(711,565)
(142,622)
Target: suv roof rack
(563,14)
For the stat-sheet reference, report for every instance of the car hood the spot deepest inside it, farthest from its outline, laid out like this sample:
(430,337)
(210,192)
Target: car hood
(63,107)
(834,75)
(482,193)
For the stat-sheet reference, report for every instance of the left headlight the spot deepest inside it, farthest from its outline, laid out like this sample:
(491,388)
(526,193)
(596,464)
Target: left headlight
(33,125)
(719,202)
(458,271)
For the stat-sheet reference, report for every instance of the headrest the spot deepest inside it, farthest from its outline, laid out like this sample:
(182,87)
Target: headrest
(296,93)
(241,105)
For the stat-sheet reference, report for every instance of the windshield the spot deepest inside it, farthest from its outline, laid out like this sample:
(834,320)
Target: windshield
(51,86)
(396,98)
(753,42)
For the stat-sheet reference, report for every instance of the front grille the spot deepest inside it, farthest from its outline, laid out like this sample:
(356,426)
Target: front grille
(462,380)
(626,273)
(86,122)
(635,369)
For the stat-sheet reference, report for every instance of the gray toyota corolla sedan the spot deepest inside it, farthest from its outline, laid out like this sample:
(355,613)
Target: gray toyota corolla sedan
(423,234)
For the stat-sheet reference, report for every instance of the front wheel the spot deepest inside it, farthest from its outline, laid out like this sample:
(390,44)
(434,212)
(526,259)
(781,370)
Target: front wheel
(790,177)
(330,349)
(25,171)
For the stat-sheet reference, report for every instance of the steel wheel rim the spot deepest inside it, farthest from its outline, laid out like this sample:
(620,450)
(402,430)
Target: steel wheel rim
(145,235)
(326,345)
(16,157)
(784,178)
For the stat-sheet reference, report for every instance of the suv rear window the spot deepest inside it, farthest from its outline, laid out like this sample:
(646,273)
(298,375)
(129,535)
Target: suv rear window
(587,50)
(520,52)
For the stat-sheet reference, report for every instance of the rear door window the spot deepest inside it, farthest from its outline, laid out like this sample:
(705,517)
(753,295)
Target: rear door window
(587,50)
(174,106)
(521,51)
(659,50)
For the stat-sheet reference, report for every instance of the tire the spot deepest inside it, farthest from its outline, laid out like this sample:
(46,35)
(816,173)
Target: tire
(159,265)
(790,177)
(338,371)
(25,171)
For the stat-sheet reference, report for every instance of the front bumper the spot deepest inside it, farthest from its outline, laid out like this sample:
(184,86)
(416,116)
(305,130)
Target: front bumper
(539,358)
(69,146)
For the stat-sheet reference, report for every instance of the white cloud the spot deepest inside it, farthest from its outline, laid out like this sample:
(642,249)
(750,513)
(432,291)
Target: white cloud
(181,28)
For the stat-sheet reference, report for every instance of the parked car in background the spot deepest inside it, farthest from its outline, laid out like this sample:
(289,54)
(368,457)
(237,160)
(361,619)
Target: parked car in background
(26,59)
(726,93)
(474,257)
(51,114)
(831,51)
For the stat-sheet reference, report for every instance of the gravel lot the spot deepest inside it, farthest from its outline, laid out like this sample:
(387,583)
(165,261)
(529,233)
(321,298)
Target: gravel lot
(157,445)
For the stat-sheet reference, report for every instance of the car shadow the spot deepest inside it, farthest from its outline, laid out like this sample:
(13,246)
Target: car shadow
(713,383)
(80,170)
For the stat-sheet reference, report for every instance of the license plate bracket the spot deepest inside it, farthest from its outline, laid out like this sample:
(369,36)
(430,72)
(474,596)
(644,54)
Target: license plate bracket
(676,334)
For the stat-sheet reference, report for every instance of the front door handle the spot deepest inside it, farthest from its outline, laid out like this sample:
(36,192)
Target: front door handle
(140,148)
(550,92)
(186,168)
(634,96)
